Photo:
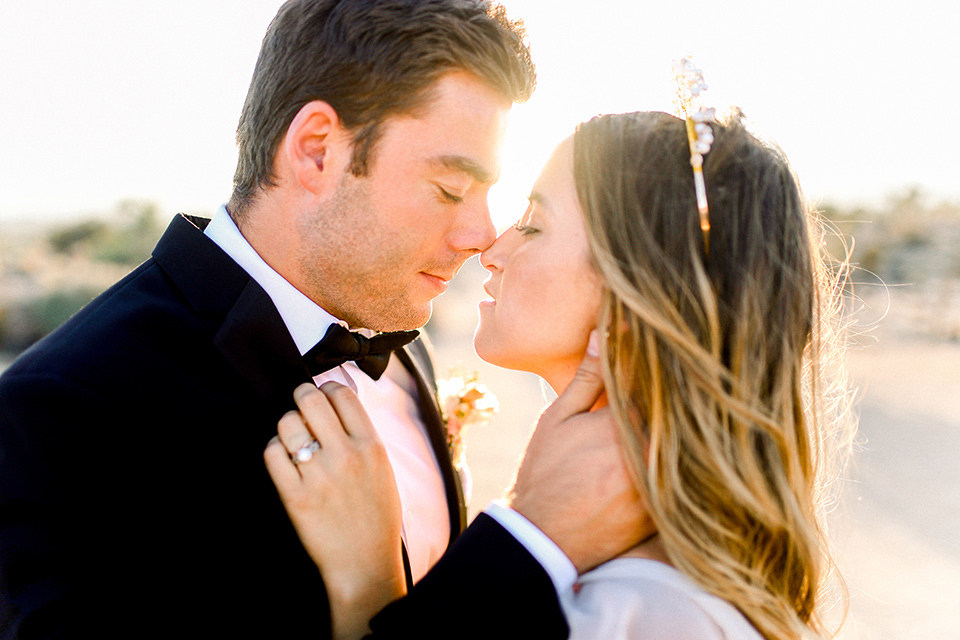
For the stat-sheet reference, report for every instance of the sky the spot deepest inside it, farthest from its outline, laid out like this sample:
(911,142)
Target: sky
(105,100)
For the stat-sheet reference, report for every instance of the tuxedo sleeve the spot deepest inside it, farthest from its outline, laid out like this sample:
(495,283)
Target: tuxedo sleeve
(562,571)
(487,585)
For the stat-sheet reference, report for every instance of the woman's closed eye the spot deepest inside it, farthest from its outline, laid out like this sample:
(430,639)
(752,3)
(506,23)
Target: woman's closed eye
(525,224)
(524,229)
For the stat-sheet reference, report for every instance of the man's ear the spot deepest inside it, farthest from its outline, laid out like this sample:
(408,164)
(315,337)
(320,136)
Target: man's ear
(316,147)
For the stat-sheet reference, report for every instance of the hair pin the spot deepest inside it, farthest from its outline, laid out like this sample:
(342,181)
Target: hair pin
(690,87)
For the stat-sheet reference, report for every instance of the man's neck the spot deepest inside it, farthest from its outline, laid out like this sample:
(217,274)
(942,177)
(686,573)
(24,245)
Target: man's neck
(305,320)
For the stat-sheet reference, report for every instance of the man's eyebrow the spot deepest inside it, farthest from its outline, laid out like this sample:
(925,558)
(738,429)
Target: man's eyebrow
(468,166)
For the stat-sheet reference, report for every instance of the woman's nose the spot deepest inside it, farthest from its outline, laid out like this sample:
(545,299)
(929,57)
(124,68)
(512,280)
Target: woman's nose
(494,257)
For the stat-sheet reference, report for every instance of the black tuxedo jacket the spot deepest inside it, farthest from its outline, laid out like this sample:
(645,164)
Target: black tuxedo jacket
(134,501)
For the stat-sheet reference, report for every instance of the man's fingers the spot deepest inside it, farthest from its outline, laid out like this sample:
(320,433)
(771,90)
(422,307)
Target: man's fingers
(587,385)
(352,416)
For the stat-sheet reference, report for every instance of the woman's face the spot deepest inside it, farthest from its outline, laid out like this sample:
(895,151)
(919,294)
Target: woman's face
(545,293)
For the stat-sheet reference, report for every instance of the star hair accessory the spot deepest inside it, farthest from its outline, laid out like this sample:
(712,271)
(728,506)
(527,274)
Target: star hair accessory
(690,87)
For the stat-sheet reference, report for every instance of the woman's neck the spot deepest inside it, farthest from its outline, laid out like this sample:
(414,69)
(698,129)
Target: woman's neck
(650,549)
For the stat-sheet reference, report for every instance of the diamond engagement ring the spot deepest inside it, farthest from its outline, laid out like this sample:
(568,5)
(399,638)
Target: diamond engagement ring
(305,453)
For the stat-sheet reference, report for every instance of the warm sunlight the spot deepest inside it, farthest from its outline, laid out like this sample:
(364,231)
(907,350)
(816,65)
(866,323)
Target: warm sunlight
(97,108)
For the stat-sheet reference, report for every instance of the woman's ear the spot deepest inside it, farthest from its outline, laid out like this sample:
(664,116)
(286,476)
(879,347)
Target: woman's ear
(316,148)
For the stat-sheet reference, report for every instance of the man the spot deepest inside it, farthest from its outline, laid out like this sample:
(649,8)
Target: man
(133,495)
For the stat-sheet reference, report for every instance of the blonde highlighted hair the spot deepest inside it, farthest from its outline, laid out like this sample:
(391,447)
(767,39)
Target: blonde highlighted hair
(720,367)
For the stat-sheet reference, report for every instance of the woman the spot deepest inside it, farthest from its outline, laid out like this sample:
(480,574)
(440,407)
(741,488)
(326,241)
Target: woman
(716,362)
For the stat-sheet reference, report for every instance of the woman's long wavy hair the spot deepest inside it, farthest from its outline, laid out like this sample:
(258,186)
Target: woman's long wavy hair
(720,366)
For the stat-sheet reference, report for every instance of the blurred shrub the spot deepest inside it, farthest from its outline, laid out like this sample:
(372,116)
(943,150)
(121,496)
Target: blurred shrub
(50,311)
(906,242)
(133,240)
(73,239)
(127,238)
(64,268)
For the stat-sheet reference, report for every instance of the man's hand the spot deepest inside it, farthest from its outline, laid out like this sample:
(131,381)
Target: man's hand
(573,483)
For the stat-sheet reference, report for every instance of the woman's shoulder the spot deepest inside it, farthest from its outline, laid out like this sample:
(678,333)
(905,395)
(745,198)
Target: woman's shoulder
(641,599)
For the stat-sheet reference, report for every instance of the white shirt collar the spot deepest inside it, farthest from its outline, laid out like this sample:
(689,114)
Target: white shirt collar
(304,319)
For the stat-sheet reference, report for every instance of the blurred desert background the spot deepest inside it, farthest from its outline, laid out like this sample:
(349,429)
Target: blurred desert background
(897,525)
(112,120)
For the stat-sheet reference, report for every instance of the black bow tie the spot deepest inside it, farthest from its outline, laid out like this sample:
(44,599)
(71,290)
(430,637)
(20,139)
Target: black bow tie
(370,354)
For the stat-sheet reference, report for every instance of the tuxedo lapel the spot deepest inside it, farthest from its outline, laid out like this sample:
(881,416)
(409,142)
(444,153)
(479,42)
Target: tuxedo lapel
(255,340)
(251,334)
(417,360)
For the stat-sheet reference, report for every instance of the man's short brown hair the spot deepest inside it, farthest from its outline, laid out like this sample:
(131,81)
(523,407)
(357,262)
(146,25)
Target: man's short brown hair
(369,60)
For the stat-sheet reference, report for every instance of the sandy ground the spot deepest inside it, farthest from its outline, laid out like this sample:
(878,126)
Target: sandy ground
(897,527)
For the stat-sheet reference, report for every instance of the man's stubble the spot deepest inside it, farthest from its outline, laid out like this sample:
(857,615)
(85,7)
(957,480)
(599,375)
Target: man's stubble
(355,269)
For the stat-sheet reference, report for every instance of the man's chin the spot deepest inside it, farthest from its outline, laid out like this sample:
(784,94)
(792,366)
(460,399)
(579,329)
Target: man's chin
(402,318)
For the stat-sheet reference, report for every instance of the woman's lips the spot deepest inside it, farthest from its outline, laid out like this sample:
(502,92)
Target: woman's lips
(492,300)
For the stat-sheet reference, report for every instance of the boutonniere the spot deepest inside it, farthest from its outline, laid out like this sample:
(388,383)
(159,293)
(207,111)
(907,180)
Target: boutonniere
(463,402)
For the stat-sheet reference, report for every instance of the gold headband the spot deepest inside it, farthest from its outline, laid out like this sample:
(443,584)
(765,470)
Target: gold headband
(690,86)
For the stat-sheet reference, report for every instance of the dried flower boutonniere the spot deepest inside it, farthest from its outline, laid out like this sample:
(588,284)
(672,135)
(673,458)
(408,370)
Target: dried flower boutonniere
(463,402)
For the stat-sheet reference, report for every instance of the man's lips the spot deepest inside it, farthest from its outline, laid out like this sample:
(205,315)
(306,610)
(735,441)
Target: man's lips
(441,277)
(438,281)
(444,272)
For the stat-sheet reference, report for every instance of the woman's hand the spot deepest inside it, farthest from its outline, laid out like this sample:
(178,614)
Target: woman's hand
(341,496)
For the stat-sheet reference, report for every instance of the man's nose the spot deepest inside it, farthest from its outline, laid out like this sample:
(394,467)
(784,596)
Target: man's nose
(475,231)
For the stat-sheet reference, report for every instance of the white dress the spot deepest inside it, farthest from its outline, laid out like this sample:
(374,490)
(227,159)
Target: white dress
(640,599)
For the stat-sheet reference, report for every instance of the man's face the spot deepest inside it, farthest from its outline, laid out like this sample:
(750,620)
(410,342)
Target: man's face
(386,244)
